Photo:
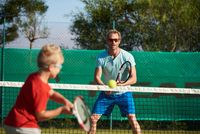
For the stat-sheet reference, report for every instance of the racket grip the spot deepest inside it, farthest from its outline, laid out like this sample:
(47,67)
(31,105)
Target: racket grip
(57,79)
(72,110)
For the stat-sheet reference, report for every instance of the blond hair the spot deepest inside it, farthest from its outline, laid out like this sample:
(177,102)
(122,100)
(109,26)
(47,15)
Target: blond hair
(113,31)
(49,54)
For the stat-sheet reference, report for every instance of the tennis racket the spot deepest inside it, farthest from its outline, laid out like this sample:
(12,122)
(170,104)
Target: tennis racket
(82,113)
(124,72)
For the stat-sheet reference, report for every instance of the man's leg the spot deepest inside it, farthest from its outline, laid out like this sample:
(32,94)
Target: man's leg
(94,120)
(134,124)
(103,105)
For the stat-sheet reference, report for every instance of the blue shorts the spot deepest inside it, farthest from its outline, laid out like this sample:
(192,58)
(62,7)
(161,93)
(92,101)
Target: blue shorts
(105,104)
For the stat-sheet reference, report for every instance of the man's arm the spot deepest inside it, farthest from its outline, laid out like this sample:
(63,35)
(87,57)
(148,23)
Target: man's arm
(97,76)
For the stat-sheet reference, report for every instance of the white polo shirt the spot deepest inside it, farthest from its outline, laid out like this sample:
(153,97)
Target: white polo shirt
(110,66)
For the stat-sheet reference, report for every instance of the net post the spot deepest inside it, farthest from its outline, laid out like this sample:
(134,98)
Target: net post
(111,123)
(113,24)
(2,67)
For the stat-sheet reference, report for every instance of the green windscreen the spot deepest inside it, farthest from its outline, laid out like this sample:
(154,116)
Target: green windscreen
(154,69)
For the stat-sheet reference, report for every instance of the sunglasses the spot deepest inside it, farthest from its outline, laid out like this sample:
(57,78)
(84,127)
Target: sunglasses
(115,40)
(58,66)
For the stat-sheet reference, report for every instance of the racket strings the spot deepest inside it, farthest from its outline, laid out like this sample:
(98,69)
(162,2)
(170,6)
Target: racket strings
(82,113)
(124,72)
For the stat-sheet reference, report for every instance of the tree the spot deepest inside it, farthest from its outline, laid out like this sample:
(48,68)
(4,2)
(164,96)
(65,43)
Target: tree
(177,25)
(90,29)
(31,26)
(148,24)
(11,29)
(12,10)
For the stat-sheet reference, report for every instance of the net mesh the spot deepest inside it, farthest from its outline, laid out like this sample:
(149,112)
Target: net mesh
(158,110)
(177,111)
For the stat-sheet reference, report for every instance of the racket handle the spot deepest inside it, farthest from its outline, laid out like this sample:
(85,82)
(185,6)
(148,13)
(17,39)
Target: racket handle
(72,110)
(57,79)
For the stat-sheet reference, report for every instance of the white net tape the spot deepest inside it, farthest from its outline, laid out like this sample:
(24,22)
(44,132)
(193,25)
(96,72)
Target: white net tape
(106,88)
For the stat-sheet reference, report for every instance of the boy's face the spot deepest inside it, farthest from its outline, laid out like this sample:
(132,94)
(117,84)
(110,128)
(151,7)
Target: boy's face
(55,68)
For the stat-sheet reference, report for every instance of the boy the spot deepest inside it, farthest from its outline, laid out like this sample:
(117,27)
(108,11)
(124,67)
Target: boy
(31,103)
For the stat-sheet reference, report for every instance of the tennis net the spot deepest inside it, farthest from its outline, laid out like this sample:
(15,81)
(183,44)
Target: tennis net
(158,109)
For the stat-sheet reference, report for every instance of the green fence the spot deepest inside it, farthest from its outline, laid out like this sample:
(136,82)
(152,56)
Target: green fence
(157,69)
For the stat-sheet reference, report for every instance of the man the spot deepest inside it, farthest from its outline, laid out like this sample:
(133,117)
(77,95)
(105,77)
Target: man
(108,63)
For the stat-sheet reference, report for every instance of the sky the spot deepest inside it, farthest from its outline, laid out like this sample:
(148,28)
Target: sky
(58,19)
(59,8)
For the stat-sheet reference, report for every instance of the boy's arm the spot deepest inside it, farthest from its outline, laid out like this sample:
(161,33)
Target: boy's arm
(57,97)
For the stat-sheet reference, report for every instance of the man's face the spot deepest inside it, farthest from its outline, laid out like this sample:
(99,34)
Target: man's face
(113,41)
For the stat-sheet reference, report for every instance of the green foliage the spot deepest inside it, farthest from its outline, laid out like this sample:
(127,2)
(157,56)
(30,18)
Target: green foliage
(14,10)
(177,26)
(148,24)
